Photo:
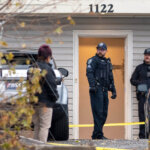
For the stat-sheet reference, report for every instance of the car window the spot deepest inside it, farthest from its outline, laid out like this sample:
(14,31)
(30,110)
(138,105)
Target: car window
(21,58)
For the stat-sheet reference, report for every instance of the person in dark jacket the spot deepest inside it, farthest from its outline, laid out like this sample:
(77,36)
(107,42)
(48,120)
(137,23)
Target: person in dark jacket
(100,78)
(46,99)
(141,75)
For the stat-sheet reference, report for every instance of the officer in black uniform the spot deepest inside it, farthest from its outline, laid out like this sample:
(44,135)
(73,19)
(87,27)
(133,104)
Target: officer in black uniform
(141,75)
(100,78)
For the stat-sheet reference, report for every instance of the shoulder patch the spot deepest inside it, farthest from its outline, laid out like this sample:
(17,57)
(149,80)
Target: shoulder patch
(89,61)
(89,66)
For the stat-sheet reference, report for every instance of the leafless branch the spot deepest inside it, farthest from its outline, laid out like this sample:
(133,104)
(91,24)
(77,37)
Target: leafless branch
(5,5)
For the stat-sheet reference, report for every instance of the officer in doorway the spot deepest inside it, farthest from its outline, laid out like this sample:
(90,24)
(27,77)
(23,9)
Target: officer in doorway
(100,77)
(141,75)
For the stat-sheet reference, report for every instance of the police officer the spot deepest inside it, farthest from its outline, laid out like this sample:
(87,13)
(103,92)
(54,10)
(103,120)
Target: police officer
(100,78)
(141,75)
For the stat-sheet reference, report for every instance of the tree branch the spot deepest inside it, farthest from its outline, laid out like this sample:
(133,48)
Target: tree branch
(8,2)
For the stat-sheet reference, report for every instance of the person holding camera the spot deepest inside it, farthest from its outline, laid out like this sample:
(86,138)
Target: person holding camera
(141,75)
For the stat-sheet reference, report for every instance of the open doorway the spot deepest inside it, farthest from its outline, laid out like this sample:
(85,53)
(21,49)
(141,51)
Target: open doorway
(87,49)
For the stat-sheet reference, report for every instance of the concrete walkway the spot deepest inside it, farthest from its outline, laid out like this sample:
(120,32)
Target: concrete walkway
(88,144)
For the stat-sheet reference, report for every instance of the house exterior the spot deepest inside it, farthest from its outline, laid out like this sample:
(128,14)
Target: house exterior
(122,25)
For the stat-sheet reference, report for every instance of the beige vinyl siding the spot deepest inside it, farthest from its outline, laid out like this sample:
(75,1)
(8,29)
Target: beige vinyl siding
(63,53)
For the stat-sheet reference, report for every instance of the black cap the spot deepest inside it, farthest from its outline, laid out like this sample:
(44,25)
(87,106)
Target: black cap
(147,51)
(102,46)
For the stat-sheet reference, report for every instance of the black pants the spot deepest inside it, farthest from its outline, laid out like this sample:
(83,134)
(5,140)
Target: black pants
(99,104)
(141,113)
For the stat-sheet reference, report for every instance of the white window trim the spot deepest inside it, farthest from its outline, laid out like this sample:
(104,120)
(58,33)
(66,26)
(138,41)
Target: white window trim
(128,35)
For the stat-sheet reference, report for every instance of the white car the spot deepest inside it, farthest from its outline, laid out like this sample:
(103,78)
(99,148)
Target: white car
(60,128)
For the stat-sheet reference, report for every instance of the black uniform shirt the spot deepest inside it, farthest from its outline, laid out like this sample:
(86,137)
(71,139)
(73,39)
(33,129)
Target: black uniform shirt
(140,75)
(99,69)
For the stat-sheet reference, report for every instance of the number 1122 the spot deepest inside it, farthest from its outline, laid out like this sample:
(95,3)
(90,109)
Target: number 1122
(103,8)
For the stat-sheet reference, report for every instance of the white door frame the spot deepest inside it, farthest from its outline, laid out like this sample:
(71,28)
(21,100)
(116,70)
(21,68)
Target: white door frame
(128,35)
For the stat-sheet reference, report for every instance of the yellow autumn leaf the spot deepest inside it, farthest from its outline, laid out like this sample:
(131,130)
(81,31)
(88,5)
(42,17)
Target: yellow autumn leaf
(59,30)
(1,54)
(3,43)
(38,89)
(12,70)
(35,99)
(37,70)
(35,80)
(22,24)
(48,41)
(18,4)
(28,62)
(3,61)
(9,56)
(44,72)
(24,123)
(72,22)
(31,70)
(11,133)
(19,93)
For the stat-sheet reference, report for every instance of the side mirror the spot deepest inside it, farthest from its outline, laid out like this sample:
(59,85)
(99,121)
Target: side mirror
(64,72)
(58,77)
(142,88)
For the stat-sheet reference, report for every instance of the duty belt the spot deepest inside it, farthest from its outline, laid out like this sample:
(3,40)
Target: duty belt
(103,88)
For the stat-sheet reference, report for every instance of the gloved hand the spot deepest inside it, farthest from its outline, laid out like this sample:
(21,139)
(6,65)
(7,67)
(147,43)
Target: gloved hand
(114,95)
(93,89)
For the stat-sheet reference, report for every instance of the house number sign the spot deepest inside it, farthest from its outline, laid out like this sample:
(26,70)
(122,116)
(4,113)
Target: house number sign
(103,8)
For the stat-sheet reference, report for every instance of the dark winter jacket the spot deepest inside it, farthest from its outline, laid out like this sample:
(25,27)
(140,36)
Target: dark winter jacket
(140,75)
(48,84)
